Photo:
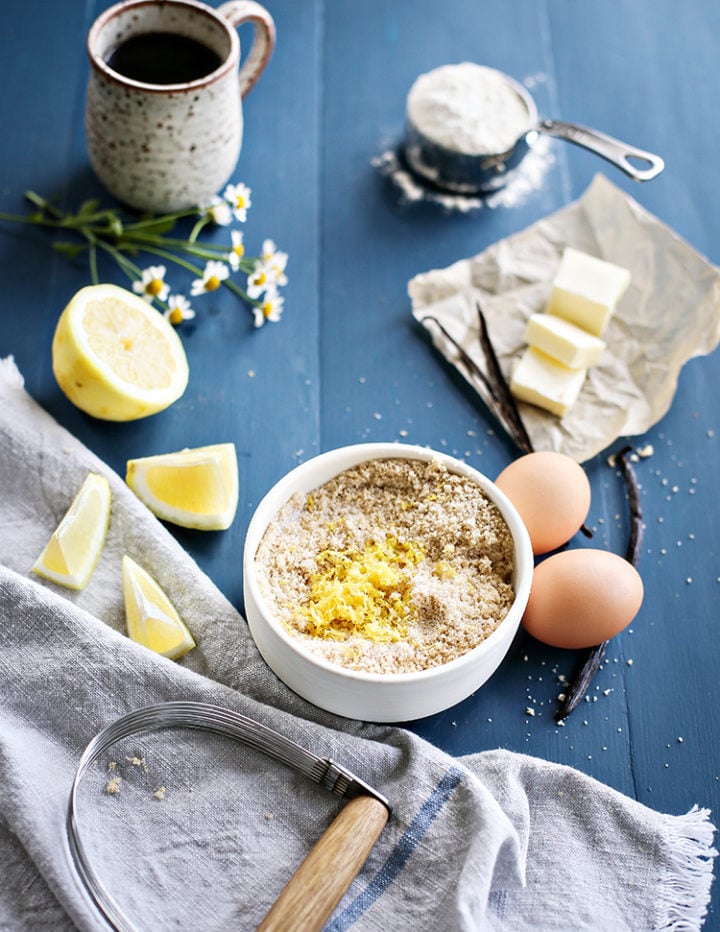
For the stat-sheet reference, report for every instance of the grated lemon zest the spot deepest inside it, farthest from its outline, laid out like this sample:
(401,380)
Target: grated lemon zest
(444,570)
(366,592)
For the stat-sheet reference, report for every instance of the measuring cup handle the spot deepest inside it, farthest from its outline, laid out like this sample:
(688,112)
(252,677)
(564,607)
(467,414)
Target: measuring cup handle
(318,885)
(615,151)
(244,11)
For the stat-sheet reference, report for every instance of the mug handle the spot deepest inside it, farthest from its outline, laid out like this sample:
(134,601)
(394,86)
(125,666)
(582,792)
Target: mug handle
(243,11)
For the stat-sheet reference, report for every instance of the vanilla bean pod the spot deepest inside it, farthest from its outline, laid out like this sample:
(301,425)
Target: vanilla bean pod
(581,683)
(632,554)
(503,412)
(500,381)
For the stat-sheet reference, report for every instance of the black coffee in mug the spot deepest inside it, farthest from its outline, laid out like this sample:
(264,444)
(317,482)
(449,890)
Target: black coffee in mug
(163,58)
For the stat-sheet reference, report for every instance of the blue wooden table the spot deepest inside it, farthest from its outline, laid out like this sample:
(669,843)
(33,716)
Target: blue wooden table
(347,363)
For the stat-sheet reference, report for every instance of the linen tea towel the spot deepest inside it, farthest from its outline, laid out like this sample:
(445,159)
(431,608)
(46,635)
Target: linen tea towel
(473,842)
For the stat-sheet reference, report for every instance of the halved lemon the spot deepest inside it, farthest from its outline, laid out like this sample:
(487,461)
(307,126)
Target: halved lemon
(196,488)
(151,618)
(116,357)
(73,551)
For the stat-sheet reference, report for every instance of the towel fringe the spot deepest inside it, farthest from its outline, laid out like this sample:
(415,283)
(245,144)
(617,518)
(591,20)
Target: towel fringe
(685,892)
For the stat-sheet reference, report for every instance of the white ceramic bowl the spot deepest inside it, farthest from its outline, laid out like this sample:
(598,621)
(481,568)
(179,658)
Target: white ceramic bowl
(378,697)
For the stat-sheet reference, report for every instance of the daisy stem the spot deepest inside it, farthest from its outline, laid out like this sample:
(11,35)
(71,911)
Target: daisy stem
(236,289)
(247,265)
(153,221)
(30,221)
(56,222)
(207,251)
(43,204)
(195,232)
(129,268)
(163,254)
(92,258)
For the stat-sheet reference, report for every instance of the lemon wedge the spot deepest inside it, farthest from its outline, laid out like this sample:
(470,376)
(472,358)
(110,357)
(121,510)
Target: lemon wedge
(73,551)
(115,356)
(195,488)
(150,616)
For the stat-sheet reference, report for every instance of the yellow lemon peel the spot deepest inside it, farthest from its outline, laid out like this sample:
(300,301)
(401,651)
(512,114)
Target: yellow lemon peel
(115,357)
(362,592)
(150,616)
(73,551)
(195,488)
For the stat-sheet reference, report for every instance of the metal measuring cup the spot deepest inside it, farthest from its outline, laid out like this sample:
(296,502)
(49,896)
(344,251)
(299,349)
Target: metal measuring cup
(467,173)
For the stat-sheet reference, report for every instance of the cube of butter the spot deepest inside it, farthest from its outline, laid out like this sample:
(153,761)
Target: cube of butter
(586,290)
(569,344)
(543,381)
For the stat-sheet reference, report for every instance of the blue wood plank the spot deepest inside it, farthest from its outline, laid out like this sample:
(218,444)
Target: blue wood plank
(651,82)
(348,364)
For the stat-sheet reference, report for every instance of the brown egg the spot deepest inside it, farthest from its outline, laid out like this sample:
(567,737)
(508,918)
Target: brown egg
(582,597)
(552,495)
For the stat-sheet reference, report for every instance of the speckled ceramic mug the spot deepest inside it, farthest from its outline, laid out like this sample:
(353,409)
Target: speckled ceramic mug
(163,147)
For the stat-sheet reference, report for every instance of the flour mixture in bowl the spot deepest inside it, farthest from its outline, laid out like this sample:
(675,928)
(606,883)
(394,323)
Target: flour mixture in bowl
(392,566)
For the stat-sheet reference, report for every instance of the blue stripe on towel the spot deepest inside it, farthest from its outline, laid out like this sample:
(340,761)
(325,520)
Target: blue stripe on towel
(400,854)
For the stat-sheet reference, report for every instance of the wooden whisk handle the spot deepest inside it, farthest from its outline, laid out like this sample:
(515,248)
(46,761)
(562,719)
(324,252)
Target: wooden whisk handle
(318,885)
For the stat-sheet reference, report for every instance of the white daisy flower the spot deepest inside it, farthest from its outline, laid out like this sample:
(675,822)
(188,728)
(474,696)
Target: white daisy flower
(258,281)
(152,284)
(238,197)
(219,211)
(214,275)
(268,250)
(178,309)
(237,250)
(270,309)
(275,262)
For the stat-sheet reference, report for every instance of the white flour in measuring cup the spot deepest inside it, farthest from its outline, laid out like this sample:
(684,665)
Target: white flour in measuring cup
(469,109)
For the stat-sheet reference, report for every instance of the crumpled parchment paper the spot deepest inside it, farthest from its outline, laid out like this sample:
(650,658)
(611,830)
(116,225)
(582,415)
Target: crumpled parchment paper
(669,313)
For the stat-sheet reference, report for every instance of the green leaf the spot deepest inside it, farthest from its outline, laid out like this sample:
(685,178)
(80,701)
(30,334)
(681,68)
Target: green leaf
(69,250)
(88,207)
(36,199)
(155,227)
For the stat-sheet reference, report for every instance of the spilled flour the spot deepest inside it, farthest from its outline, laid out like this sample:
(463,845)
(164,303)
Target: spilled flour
(521,182)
